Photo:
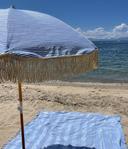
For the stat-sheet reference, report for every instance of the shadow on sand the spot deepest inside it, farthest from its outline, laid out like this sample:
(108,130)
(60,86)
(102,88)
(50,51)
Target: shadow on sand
(59,146)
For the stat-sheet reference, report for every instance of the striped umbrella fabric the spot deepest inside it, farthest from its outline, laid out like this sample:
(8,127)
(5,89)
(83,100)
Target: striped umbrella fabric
(35,47)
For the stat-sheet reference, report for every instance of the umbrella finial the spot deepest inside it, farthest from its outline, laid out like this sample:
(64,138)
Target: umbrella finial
(13,7)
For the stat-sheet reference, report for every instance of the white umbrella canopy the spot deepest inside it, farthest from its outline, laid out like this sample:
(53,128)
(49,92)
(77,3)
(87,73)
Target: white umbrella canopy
(35,47)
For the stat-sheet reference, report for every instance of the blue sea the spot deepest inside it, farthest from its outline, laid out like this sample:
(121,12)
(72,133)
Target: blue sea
(113,63)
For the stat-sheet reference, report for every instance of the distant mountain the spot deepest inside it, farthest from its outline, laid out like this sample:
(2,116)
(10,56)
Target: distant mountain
(125,39)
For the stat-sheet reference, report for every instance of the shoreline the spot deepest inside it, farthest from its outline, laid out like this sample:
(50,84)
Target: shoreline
(81,83)
(108,99)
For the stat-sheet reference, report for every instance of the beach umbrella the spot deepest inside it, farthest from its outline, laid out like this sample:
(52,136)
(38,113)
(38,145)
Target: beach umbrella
(35,47)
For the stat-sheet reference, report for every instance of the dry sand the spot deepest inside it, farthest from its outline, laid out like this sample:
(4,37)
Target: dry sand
(85,97)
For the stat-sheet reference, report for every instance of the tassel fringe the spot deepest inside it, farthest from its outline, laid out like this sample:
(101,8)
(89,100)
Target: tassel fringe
(15,68)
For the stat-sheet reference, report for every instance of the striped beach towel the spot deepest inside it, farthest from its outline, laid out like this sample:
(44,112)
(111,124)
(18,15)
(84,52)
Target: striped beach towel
(71,130)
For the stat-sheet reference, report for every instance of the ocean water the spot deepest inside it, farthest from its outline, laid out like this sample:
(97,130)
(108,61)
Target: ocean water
(113,63)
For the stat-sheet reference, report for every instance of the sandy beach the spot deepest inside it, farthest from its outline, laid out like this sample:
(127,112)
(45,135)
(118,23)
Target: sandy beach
(60,96)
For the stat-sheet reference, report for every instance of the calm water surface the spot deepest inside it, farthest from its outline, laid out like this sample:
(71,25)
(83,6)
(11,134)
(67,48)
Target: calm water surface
(113,64)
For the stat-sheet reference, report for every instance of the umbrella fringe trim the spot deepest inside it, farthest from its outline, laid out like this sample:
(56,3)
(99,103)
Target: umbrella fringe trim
(15,68)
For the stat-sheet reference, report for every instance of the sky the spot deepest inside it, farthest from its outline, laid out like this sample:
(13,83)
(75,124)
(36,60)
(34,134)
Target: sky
(94,18)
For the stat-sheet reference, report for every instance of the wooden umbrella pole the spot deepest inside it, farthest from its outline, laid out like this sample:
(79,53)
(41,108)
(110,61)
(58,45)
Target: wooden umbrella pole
(21,114)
